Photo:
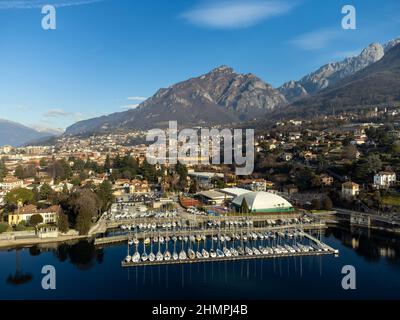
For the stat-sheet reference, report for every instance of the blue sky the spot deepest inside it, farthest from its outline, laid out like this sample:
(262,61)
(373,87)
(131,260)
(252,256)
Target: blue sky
(107,55)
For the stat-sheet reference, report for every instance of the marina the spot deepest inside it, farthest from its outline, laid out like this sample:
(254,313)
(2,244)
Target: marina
(223,247)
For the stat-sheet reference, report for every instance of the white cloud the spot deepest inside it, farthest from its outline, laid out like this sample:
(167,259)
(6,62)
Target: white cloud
(136,98)
(60,113)
(317,39)
(32,4)
(235,14)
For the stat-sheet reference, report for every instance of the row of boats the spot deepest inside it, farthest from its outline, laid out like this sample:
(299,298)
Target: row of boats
(232,237)
(241,250)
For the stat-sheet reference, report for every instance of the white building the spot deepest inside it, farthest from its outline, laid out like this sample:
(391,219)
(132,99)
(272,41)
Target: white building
(384,179)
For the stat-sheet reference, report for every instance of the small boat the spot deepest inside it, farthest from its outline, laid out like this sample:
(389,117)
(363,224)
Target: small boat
(191,254)
(167,238)
(136,241)
(214,238)
(256,251)
(161,239)
(227,252)
(136,257)
(248,251)
(144,256)
(159,256)
(227,238)
(185,238)
(175,256)
(130,242)
(240,251)
(199,255)
(182,255)
(152,256)
(220,254)
(234,252)
(192,239)
(180,238)
(147,241)
(128,258)
(203,237)
(174,238)
(198,238)
(205,253)
(167,255)
(213,254)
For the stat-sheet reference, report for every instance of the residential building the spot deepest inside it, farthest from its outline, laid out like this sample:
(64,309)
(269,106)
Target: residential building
(350,190)
(384,179)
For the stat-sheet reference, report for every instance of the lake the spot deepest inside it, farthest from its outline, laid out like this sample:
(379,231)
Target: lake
(84,272)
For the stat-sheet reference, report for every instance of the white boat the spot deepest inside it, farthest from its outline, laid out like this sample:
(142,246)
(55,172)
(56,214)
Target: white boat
(161,239)
(130,242)
(234,252)
(248,251)
(128,258)
(199,255)
(136,257)
(159,256)
(191,254)
(227,238)
(240,251)
(256,251)
(167,255)
(220,254)
(213,254)
(152,256)
(136,241)
(205,253)
(192,239)
(175,256)
(144,256)
(227,252)
(182,255)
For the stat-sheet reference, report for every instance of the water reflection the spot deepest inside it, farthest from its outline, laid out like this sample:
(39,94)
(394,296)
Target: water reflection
(19,277)
(371,245)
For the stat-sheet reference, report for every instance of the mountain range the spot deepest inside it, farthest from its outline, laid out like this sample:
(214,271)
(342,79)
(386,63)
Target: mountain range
(223,96)
(376,84)
(16,134)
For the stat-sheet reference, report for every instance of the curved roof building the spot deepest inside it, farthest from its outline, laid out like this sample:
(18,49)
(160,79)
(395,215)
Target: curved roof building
(263,202)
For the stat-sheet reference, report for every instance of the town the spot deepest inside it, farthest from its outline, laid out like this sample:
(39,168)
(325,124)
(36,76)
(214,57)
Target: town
(341,168)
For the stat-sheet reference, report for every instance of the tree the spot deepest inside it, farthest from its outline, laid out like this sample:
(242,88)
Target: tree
(19,195)
(83,223)
(45,191)
(63,224)
(3,227)
(107,163)
(350,152)
(35,220)
(316,204)
(19,172)
(105,195)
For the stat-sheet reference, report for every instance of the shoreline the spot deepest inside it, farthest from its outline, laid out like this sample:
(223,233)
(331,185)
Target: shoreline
(14,244)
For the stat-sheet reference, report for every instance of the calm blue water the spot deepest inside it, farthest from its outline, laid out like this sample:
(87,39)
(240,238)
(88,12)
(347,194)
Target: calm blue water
(86,273)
